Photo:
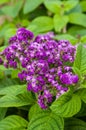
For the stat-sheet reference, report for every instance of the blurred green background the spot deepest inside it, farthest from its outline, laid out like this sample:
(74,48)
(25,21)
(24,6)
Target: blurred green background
(67,18)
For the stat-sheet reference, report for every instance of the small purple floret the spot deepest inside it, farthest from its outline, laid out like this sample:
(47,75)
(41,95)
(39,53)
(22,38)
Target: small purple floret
(24,35)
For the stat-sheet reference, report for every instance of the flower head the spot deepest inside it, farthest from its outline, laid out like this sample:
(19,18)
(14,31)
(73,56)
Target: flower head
(43,62)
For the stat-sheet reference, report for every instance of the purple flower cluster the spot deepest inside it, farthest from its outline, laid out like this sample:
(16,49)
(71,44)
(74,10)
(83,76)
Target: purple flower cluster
(43,62)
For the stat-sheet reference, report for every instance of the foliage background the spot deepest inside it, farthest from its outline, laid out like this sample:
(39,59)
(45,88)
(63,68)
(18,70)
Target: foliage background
(67,18)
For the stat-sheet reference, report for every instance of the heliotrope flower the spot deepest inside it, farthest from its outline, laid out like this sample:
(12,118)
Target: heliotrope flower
(43,62)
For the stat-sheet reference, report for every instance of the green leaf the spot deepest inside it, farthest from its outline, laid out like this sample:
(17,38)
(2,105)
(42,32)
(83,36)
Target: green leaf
(30,5)
(60,6)
(82,94)
(60,22)
(13,122)
(35,109)
(82,112)
(7,10)
(77,31)
(80,60)
(68,37)
(83,39)
(77,71)
(83,5)
(2,49)
(67,105)
(46,121)
(64,36)
(77,18)
(12,10)
(7,82)
(5,28)
(16,101)
(41,24)
(68,5)
(17,8)
(83,85)
(13,90)
(53,5)
(24,22)
(76,9)
(9,33)
(2,68)
(2,113)
(74,124)
(1,74)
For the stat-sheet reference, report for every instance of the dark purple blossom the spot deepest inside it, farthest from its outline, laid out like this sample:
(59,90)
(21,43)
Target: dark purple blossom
(22,75)
(75,79)
(24,35)
(12,39)
(13,64)
(66,78)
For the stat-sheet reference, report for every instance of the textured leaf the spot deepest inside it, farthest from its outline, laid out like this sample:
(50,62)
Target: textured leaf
(82,112)
(77,18)
(77,71)
(2,113)
(60,22)
(13,122)
(80,60)
(82,94)
(35,109)
(13,90)
(16,101)
(74,124)
(30,5)
(7,82)
(41,24)
(67,105)
(46,121)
